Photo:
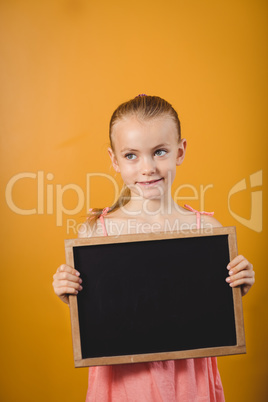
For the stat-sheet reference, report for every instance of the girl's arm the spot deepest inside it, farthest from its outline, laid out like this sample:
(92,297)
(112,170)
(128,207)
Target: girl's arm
(241,274)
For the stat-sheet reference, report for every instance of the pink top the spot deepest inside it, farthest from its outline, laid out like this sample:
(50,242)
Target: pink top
(189,380)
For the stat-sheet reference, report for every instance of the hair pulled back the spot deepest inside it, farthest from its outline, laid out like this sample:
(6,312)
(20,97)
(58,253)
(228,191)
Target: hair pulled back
(145,107)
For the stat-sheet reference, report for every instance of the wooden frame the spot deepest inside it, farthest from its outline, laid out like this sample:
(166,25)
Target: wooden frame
(148,275)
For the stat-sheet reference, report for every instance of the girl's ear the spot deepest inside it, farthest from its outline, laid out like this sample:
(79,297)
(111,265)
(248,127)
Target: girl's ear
(181,151)
(114,160)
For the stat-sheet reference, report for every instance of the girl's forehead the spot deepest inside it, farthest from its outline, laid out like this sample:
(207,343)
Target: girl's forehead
(135,129)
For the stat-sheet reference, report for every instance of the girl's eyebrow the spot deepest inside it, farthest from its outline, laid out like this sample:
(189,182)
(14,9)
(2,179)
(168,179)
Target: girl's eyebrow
(136,150)
(129,150)
(166,144)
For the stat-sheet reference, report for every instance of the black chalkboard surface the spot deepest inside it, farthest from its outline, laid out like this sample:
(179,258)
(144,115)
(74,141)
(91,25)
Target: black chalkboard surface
(155,297)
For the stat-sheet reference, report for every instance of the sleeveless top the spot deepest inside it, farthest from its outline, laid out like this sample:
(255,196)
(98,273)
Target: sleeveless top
(188,380)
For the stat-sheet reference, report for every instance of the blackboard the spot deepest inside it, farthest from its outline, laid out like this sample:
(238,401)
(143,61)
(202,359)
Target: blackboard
(154,297)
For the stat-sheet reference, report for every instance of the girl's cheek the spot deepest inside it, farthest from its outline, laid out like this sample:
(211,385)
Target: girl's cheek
(130,168)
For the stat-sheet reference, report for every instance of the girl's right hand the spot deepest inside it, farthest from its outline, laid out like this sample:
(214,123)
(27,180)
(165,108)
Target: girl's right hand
(66,282)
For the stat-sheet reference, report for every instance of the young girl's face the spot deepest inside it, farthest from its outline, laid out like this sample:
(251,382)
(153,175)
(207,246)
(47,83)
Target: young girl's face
(146,153)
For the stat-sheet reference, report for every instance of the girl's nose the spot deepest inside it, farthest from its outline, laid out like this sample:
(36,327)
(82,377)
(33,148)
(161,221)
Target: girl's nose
(148,166)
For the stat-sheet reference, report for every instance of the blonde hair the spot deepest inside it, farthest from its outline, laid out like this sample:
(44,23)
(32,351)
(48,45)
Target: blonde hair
(145,107)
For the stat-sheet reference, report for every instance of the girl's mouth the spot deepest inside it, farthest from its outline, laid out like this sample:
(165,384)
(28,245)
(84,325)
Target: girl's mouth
(149,183)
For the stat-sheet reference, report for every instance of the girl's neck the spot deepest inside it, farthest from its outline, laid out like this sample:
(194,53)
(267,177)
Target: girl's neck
(150,208)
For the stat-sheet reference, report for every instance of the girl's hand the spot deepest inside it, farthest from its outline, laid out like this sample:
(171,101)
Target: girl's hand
(66,281)
(241,274)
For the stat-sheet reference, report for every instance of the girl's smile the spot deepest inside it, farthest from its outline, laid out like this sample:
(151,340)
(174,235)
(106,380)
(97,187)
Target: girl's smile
(149,183)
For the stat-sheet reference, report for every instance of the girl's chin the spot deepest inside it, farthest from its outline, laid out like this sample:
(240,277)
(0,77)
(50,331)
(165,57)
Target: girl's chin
(149,193)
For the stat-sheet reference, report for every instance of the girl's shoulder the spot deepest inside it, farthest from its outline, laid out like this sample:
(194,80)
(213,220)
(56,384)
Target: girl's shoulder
(107,223)
(202,219)
(210,221)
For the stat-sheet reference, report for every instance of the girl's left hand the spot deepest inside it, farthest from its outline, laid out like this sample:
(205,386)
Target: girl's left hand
(241,274)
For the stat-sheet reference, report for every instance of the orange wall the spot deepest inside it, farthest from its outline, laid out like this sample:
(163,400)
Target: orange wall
(65,65)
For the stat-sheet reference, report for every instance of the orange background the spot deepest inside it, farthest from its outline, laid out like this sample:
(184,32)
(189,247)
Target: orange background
(65,66)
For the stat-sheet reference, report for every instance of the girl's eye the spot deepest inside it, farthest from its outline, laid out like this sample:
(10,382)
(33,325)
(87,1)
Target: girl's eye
(130,156)
(160,152)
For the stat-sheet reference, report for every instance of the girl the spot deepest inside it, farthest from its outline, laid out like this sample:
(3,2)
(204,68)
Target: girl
(145,148)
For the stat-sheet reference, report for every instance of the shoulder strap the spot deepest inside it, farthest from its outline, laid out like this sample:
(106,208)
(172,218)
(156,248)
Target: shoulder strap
(198,214)
(101,218)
